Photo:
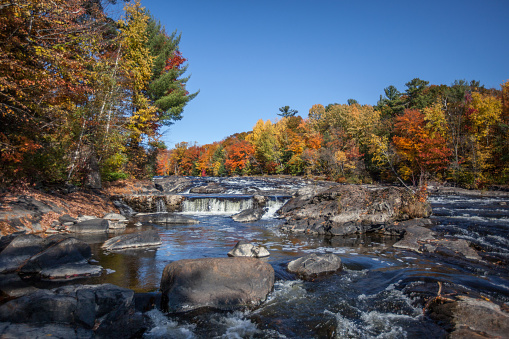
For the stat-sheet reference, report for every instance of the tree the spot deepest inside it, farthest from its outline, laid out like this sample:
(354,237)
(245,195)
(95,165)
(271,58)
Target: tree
(417,96)
(287,112)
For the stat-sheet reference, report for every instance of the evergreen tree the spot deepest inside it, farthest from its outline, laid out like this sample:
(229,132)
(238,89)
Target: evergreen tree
(287,112)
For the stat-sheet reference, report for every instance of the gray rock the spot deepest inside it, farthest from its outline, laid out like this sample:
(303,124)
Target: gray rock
(166,218)
(99,311)
(472,318)
(13,286)
(70,271)
(245,249)
(453,247)
(249,215)
(133,240)
(64,251)
(20,249)
(220,283)
(315,264)
(350,209)
(115,217)
(210,188)
(66,218)
(413,237)
(91,226)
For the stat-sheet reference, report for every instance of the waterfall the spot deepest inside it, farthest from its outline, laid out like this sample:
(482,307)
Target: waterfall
(160,206)
(273,205)
(217,205)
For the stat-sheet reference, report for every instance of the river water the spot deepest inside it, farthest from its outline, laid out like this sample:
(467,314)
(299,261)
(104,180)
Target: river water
(380,293)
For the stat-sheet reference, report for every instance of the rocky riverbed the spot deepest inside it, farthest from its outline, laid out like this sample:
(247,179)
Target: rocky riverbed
(75,249)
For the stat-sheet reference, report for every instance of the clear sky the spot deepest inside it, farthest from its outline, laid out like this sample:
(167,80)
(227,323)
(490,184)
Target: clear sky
(248,58)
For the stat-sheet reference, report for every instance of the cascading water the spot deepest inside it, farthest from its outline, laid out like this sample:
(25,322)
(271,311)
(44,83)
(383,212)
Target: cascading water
(379,294)
(228,205)
(160,206)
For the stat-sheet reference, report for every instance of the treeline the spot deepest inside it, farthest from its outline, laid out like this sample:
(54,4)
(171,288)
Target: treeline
(457,133)
(82,96)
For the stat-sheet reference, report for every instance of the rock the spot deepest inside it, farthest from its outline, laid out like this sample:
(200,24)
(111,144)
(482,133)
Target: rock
(99,311)
(315,264)
(244,249)
(133,240)
(219,283)
(116,221)
(413,237)
(166,218)
(398,228)
(153,203)
(124,209)
(173,184)
(20,249)
(249,215)
(350,209)
(11,285)
(61,259)
(115,217)
(210,188)
(82,218)
(453,247)
(91,226)
(472,318)
(67,218)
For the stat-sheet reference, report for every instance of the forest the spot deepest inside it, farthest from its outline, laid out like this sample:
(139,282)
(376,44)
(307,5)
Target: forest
(83,97)
(457,134)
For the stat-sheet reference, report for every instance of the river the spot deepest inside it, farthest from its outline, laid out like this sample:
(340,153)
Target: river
(380,293)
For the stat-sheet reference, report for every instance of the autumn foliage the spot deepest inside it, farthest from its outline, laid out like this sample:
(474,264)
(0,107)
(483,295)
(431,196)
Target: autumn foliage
(454,133)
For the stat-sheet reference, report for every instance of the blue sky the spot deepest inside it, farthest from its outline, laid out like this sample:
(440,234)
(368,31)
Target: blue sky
(248,58)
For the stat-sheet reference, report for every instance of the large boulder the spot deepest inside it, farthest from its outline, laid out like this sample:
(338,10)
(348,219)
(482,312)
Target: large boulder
(210,188)
(315,264)
(154,203)
(245,249)
(63,258)
(100,311)
(219,283)
(471,318)
(350,209)
(20,249)
(133,240)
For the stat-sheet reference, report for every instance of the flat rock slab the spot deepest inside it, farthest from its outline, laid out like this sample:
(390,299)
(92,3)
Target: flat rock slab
(315,264)
(133,240)
(91,226)
(219,283)
(245,249)
(166,219)
(71,271)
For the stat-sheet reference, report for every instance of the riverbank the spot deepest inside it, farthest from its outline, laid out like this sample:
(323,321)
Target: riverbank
(35,210)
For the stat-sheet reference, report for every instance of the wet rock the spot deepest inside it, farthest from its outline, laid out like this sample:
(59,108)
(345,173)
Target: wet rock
(20,249)
(100,311)
(472,318)
(398,228)
(219,283)
(133,240)
(315,264)
(350,209)
(11,285)
(245,249)
(91,226)
(453,247)
(413,237)
(166,218)
(249,215)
